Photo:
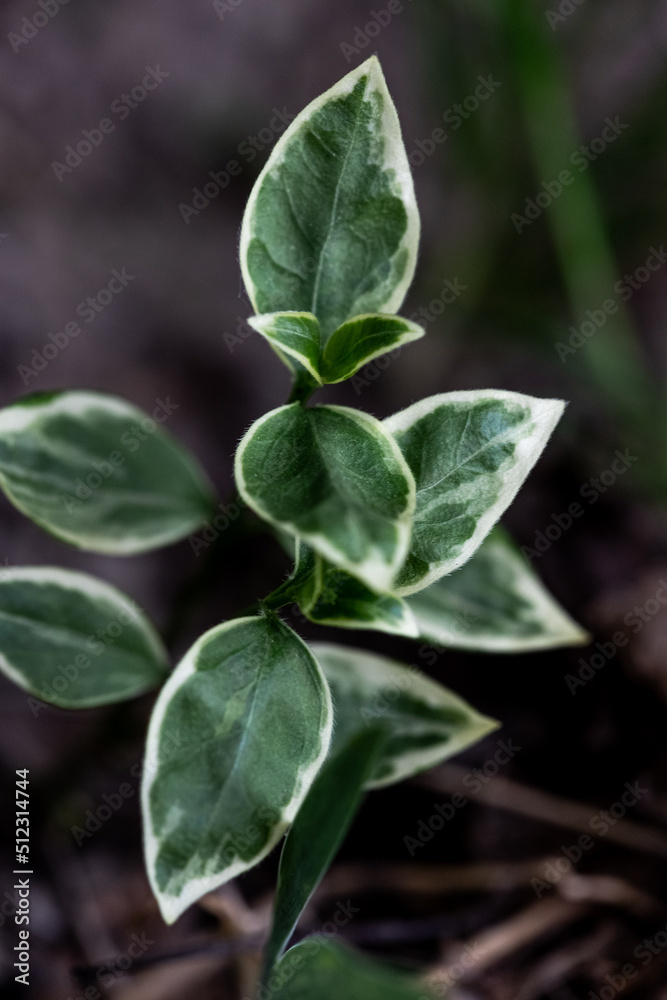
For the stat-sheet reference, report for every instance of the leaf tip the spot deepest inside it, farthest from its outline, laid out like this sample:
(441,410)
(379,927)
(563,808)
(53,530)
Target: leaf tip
(487,725)
(170,909)
(578,636)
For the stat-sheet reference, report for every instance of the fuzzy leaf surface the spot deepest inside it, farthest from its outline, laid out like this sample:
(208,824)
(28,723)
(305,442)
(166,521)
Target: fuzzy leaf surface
(335,478)
(345,602)
(294,336)
(470,453)
(360,340)
(331,226)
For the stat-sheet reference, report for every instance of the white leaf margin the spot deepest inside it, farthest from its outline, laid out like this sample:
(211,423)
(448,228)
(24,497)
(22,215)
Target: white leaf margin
(171,906)
(94,589)
(263,323)
(407,626)
(395,158)
(382,674)
(545,414)
(560,628)
(20,415)
(375,572)
(412,332)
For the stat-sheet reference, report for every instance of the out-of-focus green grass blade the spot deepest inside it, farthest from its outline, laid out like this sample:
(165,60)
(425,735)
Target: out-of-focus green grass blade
(613,355)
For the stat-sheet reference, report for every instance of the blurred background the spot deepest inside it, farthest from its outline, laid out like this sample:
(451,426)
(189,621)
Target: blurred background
(131,135)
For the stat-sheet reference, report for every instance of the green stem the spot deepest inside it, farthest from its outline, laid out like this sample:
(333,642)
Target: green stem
(303,388)
(283,595)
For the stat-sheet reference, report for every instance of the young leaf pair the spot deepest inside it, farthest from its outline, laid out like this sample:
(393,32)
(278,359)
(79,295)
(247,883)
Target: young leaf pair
(297,339)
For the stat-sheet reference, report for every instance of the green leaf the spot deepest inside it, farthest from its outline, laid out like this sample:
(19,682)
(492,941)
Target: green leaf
(346,602)
(318,969)
(470,452)
(494,603)
(296,339)
(334,477)
(99,473)
(74,641)
(361,339)
(317,833)
(294,336)
(426,722)
(236,738)
(331,226)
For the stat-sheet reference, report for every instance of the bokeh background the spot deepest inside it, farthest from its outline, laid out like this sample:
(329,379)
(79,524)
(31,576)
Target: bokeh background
(497,98)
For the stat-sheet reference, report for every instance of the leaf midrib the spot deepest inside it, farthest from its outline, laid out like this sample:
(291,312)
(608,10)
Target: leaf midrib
(499,439)
(214,816)
(339,482)
(70,636)
(334,207)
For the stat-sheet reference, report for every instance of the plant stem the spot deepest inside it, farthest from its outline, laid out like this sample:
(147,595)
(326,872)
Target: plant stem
(303,388)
